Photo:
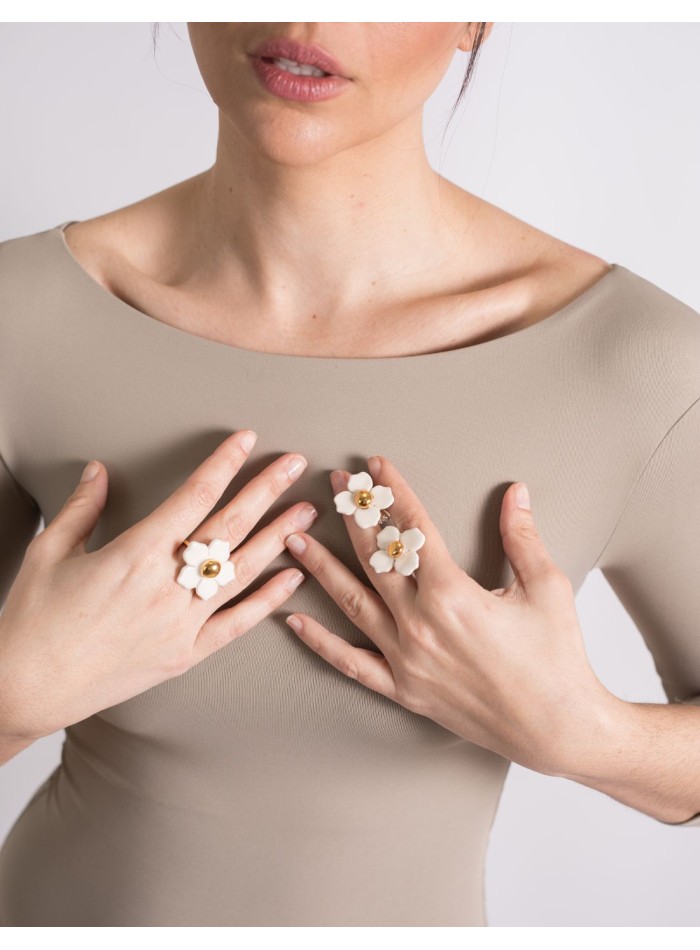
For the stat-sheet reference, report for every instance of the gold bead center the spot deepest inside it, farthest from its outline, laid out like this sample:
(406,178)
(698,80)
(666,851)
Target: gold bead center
(363,499)
(210,568)
(395,549)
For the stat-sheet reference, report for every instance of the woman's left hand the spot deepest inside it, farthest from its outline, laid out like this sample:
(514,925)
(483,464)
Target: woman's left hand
(506,668)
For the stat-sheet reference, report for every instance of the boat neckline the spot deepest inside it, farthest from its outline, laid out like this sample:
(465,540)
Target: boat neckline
(528,332)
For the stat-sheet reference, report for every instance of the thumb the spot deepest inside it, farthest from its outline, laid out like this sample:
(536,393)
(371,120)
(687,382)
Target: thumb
(524,548)
(76,520)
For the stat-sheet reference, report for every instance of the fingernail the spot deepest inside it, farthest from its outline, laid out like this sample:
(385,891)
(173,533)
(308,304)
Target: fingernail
(248,440)
(522,496)
(294,622)
(306,516)
(89,472)
(296,543)
(295,466)
(374,466)
(295,580)
(337,480)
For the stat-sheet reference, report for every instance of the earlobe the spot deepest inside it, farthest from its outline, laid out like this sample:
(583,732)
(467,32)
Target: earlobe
(470,34)
(467,39)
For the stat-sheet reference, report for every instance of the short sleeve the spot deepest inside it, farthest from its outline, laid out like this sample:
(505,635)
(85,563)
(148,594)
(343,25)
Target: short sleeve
(20,517)
(652,561)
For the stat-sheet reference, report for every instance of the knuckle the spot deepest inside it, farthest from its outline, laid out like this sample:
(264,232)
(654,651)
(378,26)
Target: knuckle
(276,482)
(79,501)
(528,530)
(409,517)
(235,526)
(524,529)
(452,613)
(243,570)
(315,564)
(351,603)
(136,546)
(240,625)
(203,493)
(237,455)
(447,594)
(348,666)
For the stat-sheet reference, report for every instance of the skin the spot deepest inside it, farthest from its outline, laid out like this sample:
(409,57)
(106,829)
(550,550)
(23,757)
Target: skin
(327,225)
(84,613)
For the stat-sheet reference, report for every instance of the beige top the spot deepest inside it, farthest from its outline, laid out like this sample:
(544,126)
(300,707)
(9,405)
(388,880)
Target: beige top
(263,787)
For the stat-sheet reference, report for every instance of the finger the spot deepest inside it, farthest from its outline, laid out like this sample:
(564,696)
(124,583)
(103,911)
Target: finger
(524,548)
(226,625)
(74,523)
(366,667)
(182,512)
(247,561)
(396,590)
(407,511)
(237,519)
(358,602)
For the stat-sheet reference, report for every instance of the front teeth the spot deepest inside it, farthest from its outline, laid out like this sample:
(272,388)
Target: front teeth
(299,69)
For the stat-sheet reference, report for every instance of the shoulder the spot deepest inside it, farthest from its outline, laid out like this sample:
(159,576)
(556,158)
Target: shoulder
(648,342)
(632,357)
(21,256)
(29,281)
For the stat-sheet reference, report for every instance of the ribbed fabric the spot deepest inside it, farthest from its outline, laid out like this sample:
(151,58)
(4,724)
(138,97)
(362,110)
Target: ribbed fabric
(263,787)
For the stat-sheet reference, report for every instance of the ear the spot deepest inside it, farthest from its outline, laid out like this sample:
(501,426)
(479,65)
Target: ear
(469,36)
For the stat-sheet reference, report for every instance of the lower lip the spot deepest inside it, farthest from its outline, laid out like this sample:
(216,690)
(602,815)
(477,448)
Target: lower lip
(298,88)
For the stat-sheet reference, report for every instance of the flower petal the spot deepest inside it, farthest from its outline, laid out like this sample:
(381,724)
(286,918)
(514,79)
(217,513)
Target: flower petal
(188,577)
(360,481)
(387,535)
(412,539)
(219,550)
(195,553)
(226,573)
(207,587)
(367,517)
(381,562)
(407,563)
(344,502)
(383,496)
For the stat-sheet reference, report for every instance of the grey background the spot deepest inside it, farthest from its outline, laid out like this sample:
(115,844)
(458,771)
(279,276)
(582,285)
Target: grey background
(587,131)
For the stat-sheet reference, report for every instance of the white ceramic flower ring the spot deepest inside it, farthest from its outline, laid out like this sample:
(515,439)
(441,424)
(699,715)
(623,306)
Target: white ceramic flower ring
(363,500)
(397,550)
(207,567)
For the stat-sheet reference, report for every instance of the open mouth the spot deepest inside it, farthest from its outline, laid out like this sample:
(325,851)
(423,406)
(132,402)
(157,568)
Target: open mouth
(291,66)
(287,78)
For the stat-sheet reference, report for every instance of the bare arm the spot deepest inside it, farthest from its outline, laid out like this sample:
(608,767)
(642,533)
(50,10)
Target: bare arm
(651,758)
(647,756)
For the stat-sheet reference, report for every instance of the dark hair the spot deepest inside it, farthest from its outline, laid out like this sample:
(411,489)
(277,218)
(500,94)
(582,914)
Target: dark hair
(154,35)
(471,64)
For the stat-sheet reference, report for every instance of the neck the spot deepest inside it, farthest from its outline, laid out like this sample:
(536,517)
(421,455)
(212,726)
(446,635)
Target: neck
(328,236)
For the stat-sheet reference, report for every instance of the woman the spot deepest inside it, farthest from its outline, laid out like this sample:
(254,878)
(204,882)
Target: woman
(321,288)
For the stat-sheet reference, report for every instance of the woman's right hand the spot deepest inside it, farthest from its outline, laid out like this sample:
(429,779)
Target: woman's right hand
(81,631)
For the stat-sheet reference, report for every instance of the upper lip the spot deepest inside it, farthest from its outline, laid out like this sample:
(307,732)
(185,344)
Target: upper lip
(290,49)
